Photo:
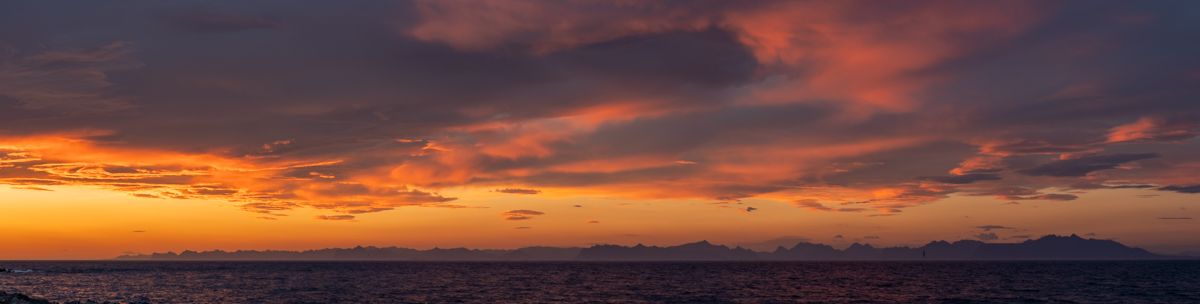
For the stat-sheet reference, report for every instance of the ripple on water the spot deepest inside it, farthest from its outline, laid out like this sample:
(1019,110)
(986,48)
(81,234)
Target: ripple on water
(560,282)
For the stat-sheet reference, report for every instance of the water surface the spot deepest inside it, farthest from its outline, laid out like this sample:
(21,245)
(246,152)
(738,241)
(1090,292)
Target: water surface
(538,282)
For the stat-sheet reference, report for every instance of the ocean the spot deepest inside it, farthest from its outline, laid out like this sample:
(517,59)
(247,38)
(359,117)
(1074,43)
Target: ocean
(602,282)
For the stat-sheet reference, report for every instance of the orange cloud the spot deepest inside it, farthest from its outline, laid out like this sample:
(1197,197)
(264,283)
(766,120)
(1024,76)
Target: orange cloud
(74,159)
(1151,128)
(843,58)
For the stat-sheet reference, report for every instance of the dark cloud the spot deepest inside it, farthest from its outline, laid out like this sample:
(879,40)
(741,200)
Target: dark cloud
(269,208)
(1038,146)
(1181,188)
(994,227)
(1015,193)
(211,20)
(518,191)
(962,179)
(338,217)
(811,205)
(70,80)
(710,58)
(1051,197)
(1090,186)
(368,210)
(521,214)
(1083,165)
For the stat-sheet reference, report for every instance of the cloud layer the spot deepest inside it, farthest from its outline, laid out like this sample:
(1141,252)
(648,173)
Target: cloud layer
(831,106)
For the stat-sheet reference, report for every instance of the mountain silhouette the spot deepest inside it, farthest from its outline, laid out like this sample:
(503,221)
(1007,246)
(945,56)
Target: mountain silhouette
(1050,247)
(371,253)
(698,251)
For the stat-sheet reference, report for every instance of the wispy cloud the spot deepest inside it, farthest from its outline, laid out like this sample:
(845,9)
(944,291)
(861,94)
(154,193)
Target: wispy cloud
(518,191)
(1083,165)
(337,217)
(521,214)
(994,227)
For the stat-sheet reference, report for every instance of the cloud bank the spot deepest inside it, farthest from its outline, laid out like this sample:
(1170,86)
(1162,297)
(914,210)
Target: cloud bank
(832,106)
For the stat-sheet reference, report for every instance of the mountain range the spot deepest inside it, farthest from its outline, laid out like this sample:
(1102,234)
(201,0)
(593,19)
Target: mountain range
(1050,247)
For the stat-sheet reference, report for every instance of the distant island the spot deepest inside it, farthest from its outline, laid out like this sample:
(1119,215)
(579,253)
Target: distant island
(1050,247)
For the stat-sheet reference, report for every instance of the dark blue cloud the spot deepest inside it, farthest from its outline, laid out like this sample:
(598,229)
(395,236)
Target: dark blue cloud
(1083,165)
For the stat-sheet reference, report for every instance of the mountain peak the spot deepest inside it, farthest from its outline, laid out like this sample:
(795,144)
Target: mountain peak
(1055,237)
(700,244)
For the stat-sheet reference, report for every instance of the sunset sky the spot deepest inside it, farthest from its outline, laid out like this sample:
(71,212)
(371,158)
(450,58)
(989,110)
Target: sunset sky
(153,126)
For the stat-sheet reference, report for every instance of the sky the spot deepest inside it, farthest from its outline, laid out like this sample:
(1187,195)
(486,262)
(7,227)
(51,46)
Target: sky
(153,126)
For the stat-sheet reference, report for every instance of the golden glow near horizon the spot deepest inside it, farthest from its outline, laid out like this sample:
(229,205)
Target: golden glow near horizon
(70,222)
(505,124)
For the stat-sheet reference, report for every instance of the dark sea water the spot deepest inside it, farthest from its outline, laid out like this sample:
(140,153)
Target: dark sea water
(684,282)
